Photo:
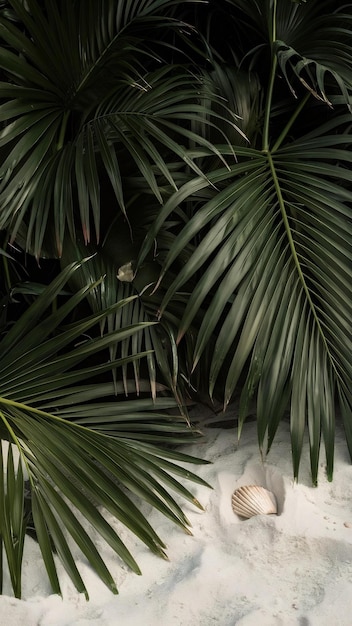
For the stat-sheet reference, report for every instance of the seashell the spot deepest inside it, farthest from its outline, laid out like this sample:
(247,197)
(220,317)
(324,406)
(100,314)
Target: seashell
(252,500)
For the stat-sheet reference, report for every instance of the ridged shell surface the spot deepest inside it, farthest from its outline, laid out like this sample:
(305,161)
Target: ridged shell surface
(251,500)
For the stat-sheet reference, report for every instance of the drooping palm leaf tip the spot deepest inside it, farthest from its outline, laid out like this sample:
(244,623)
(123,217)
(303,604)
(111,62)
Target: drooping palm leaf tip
(208,147)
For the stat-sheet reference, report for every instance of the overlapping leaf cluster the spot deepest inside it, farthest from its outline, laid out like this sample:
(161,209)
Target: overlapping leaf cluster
(77,443)
(272,261)
(200,155)
(88,99)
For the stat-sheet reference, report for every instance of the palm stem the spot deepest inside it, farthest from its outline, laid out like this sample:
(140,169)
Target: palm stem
(265,144)
(31,409)
(289,124)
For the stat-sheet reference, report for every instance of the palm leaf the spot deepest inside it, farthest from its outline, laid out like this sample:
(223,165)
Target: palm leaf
(78,452)
(276,240)
(271,263)
(164,367)
(60,137)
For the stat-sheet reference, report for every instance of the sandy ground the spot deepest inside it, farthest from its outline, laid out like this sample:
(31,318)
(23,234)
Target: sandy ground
(294,568)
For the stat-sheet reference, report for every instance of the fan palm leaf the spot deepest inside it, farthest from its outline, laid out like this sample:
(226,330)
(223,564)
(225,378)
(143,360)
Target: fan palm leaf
(61,136)
(272,243)
(276,258)
(76,451)
(115,260)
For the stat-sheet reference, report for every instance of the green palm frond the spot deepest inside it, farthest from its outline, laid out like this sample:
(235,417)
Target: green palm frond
(315,41)
(166,368)
(274,266)
(61,137)
(313,75)
(271,265)
(311,42)
(79,447)
(220,176)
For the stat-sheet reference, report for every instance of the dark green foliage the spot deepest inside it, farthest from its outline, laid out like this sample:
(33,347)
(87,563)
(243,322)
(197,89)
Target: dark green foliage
(270,243)
(197,156)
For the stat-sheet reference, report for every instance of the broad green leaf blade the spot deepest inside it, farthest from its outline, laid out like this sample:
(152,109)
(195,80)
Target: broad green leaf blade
(61,545)
(44,541)
(86,447)
(79,535)
(299,389)
(12,522)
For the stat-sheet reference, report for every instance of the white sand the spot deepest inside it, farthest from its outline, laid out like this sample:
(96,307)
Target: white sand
(290,569)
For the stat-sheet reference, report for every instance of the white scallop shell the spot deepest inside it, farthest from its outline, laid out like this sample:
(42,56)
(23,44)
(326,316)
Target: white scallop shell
(252,500)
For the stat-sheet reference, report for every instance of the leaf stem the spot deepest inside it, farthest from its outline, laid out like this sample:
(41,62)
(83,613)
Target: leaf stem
(31,409)
(289,124)
(265,144)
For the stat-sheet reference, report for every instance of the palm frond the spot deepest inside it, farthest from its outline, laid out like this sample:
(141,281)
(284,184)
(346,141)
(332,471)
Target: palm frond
(79,447)
(60,137)
(313,75)
(274,265)
(165,368)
